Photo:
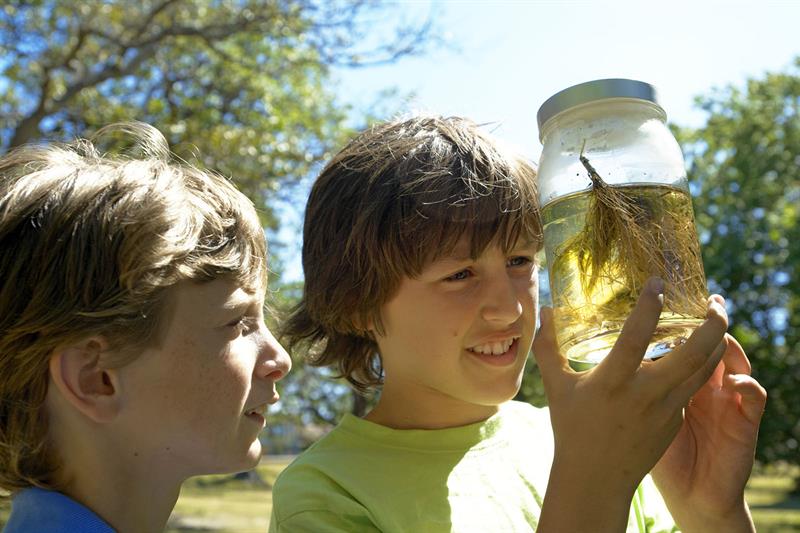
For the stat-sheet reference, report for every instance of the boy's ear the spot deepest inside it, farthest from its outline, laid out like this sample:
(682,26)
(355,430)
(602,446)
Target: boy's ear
(76,372)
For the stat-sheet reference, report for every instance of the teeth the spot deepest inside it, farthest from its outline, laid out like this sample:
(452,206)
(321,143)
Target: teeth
(493,348)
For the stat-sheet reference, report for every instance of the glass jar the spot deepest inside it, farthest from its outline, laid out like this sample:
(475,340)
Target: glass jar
(616,210)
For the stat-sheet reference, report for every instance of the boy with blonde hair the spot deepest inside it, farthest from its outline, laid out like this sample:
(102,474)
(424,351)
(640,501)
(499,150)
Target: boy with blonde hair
(420,278)
(133,349)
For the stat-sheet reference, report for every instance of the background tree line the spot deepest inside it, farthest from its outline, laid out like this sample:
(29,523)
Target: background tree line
(247,86)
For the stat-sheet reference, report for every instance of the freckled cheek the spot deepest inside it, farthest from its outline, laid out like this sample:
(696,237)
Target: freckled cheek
(212,383)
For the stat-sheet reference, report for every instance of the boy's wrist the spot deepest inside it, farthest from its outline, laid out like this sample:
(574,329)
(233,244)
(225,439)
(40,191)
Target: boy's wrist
(593,476)
(737,520)
(580,499)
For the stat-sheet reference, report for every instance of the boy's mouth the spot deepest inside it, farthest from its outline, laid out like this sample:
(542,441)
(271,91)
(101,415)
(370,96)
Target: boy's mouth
(495,347)
(257,414)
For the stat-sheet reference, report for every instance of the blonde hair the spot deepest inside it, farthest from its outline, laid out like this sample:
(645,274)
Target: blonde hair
(394,199)
(88,244)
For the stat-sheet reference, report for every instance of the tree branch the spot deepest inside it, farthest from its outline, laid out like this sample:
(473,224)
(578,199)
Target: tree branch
(29,125)
(108,72)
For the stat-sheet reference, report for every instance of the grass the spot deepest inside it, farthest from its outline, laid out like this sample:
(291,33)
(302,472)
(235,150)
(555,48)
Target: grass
(225,505)
(775,509)
(217,503)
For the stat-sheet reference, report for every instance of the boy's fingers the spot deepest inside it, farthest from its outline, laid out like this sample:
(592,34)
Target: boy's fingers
(699,355)
(754,396)
(628,351)
(715,379)
(691,385)
(735,359)
(551,363)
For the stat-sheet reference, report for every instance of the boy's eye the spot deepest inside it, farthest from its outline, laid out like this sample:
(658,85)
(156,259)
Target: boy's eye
(519,261)
(459,276)
(244,324)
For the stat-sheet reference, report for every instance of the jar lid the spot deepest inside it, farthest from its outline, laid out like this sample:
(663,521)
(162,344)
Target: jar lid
(583,93)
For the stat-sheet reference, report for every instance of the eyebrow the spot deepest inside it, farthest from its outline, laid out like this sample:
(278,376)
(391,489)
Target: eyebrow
(526,243)
(457,256)
(461,256)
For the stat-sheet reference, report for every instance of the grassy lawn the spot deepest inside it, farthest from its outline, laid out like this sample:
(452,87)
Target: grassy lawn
(223,505)
(217,503)
(774,509)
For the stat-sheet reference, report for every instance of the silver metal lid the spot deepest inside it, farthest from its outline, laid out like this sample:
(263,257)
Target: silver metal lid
(590,91)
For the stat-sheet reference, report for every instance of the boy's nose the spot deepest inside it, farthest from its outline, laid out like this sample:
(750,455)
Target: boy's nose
(502,304)
(274,363)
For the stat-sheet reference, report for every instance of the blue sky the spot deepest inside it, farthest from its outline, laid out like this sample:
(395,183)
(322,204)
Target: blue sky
(506,57)
(514,54)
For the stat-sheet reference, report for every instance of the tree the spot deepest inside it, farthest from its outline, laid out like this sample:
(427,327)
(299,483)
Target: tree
(744,166)
(244,83)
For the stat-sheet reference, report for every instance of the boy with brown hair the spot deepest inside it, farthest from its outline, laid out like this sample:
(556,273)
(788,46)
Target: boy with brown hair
(133,350)
(420,278)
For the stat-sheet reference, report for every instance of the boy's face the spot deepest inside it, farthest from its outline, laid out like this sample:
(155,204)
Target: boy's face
(199,398)
(457,337)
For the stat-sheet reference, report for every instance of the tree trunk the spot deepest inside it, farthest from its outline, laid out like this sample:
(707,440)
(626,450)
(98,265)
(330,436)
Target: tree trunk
(27,129)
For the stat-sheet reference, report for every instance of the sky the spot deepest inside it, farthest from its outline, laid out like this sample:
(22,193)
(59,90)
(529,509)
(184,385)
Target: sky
(503,59)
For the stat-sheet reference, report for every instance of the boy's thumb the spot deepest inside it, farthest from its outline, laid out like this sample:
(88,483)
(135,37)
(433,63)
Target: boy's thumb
(552,364)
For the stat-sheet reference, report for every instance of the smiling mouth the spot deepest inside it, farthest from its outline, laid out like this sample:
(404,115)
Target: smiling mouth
(493,348)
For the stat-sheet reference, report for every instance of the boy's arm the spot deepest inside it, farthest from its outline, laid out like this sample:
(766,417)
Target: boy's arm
(703,473)
(612,424)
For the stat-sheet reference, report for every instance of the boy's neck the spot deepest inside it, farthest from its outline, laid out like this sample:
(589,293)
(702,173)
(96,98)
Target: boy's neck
(405,411)
(127,489)
(122,504)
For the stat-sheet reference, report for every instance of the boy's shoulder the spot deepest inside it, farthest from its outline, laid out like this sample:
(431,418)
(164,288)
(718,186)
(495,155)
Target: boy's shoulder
(64,515)
(311,489)
(523,420)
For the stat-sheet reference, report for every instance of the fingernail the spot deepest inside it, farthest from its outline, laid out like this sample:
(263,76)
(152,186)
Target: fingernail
(656,285)
(719,309)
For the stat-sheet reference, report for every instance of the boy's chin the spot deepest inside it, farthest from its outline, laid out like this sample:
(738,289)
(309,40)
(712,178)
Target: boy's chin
(254,454)
(245,460)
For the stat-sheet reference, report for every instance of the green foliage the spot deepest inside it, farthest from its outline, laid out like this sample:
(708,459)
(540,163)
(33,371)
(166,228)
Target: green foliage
(245,83)
(744,167)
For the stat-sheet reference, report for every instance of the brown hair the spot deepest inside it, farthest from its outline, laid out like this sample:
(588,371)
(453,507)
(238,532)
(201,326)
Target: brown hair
(88,245)
(394,199)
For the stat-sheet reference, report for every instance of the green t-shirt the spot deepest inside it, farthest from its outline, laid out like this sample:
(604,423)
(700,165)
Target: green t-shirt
(488,476)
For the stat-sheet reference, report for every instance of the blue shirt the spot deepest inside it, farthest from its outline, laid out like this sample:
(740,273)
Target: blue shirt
(37,510)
